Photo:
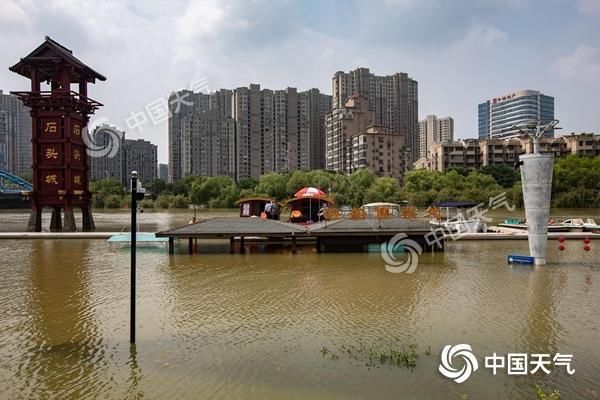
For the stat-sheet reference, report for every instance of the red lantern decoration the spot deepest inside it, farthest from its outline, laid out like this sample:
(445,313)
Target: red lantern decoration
(561,239)
(587,247)
(586,240)
(561,247)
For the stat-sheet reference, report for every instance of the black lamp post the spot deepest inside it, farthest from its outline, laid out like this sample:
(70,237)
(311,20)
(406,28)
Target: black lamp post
(134,199)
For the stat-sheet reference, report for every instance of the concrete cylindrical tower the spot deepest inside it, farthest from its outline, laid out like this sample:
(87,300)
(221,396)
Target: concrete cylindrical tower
(536,177)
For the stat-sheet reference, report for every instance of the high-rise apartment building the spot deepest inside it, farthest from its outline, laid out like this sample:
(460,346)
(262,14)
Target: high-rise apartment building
(499,115)
(379,150)
(434,130)
(15,135)
(354,142)
(108,164)
(246,132)
(278,130)
(341,124)
(393,98)
(163,172)
(122,156)
(183,104)
(207,144)
(141,156)
(318,106)
(3,141)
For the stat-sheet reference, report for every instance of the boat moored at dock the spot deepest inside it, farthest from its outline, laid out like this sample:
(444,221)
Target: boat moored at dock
(455,219)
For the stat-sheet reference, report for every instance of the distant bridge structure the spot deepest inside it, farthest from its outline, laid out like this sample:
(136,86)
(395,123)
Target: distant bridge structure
(10,183)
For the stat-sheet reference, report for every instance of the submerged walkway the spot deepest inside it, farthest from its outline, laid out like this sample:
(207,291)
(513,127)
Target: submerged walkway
(344,235)
(357,234)
(338,235)
(57,235)
(235,227)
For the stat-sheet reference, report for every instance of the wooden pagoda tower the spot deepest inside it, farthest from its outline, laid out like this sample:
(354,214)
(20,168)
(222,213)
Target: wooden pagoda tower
(58,118)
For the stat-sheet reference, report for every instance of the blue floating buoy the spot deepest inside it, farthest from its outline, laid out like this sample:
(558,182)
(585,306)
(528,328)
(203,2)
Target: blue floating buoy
(516,259)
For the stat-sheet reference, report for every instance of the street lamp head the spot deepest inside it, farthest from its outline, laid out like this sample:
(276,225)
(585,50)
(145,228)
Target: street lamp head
(134,174)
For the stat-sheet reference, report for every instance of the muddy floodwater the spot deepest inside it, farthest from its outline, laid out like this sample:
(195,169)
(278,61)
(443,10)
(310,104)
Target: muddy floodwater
(276,325)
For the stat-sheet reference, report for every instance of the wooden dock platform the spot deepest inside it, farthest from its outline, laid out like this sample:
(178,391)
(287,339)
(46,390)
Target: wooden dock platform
(338,235)
(235,228)
(347,235)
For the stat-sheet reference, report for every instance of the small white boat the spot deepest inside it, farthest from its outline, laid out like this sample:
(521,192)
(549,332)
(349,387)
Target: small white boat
(456,221)
(391,209)
(573,224)
(591,226)
(461,225)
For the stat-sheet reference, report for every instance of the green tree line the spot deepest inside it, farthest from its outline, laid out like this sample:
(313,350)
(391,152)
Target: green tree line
(576,184)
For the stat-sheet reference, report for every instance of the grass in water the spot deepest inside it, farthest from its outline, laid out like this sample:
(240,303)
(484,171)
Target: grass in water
(540,394)
(401,356)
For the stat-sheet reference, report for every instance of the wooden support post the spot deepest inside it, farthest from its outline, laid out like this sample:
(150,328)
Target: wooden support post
(242,247)
(231,245)
(293,243)
(55,221)
(318,245)
(35,220)
(87,219)
(191,245)
(171,245)
(69,217)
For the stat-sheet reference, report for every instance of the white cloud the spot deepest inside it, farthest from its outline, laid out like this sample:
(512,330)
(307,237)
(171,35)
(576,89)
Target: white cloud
(589,7)
(583,64)
(206,18)
(13,16)
(479,37)
(147,48)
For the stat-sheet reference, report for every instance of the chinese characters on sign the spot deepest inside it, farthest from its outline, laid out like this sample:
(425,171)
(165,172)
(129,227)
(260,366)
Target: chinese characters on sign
(77,130)
(77,179)
(51,179)
(51,153)
(76,154)
(50,127)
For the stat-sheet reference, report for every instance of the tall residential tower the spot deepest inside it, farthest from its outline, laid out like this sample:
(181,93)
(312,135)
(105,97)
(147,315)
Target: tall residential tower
(246,132)
(434,130)
(15,135)
(393,99)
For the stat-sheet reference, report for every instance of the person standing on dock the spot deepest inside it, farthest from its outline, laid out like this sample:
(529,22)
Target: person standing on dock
(274,211)
(268,208)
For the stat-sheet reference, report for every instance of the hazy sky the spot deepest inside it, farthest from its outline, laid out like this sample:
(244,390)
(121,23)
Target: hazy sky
(461,52)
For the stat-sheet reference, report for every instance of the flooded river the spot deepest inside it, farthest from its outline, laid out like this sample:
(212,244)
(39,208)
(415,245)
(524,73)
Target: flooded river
(284,326)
